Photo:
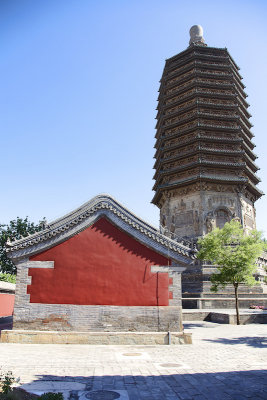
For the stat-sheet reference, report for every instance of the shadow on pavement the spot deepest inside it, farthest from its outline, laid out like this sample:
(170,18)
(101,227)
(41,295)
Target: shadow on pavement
(254,341)
(6,323)
(233,385)
(189,325)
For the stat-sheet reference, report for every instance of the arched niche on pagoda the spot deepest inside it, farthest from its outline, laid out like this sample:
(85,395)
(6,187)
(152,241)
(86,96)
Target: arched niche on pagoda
(222,215)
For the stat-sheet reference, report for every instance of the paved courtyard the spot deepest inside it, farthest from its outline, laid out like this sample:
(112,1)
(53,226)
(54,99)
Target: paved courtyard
(224,362)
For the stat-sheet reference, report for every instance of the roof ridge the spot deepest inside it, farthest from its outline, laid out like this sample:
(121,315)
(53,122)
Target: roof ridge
(100,202)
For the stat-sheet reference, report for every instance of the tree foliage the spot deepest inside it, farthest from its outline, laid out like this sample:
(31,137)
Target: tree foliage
(16,229)
(234,253)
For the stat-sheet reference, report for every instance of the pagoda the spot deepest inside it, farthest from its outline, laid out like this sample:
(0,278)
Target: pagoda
(205,170)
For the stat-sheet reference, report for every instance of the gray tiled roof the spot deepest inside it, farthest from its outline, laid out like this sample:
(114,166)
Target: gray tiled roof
(84,216)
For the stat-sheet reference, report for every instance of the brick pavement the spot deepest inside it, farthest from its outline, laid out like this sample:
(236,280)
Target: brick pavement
(224,362)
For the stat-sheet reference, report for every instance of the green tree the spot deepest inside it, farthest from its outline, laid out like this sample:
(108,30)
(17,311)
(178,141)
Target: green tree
(16,229)
(235,255)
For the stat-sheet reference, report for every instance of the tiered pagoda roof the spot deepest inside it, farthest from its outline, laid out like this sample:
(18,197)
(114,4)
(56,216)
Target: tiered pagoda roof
(203,129)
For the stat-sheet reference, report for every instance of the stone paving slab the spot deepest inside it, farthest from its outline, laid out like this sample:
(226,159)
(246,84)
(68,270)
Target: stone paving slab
(225,362)
(65,387)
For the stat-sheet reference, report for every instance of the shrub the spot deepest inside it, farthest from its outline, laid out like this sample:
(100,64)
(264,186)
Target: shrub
(51,396)
(7,277)
(6,382)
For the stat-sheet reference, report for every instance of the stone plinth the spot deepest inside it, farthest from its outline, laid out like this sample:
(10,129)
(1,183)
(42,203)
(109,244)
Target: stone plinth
(95,338)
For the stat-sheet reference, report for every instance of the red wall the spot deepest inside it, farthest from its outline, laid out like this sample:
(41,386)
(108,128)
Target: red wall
(6,304)
(100,265)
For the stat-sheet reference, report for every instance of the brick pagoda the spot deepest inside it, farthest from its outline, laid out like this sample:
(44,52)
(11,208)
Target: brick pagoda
(205,165)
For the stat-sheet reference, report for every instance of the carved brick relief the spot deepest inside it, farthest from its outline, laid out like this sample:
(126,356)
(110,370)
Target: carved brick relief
(181,96)
(174,71)
(180,107)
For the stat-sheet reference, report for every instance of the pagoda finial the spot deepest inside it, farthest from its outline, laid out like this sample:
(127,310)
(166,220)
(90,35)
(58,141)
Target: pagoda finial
(196,35)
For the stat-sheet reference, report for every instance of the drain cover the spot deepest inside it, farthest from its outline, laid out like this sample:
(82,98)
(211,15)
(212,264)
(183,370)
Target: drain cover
(170,365)
(132,354)
(103,395)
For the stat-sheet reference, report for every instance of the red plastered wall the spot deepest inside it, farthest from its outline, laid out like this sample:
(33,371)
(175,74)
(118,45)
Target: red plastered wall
(100,266)
(6,304)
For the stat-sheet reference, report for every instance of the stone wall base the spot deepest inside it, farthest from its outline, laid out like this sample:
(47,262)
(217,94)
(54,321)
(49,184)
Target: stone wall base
(82,318)
(96,338)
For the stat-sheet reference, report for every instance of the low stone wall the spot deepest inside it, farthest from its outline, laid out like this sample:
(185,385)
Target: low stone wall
(224,317)
(196,316)
(69,317)
(96,338)
(245,319)
(6,304)
(7,298)
(7,287)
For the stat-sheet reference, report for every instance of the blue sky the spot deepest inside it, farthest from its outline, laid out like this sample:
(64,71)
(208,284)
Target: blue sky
(78,92)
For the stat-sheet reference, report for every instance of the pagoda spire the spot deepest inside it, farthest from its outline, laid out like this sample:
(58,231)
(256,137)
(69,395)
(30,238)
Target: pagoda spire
(196,35)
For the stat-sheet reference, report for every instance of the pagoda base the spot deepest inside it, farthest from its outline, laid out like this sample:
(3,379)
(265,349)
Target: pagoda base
(197,294)
(209,303)
(226,316)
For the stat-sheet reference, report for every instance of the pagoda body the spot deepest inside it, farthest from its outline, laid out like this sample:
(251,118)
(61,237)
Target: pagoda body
(205,171)
(205,164)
